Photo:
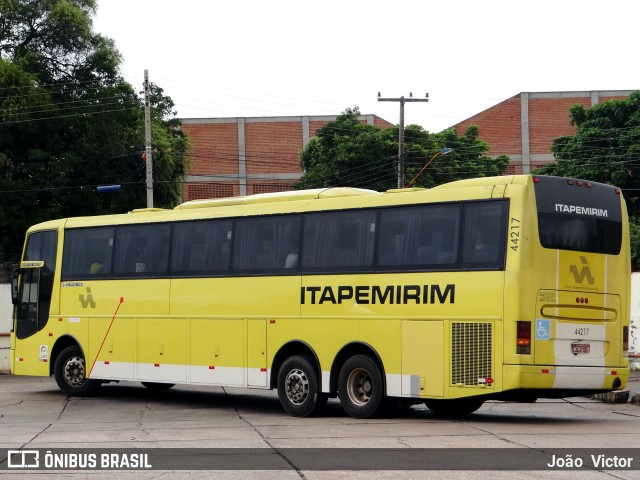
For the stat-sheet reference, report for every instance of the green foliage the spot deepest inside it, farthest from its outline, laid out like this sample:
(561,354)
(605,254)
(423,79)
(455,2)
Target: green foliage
(69,122)
(577,114)
(605,148)
(468,158)
(348,153)
(47,37)
(634,234)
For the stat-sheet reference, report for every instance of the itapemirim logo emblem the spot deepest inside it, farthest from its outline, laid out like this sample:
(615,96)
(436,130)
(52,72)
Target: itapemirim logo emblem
(87,300)
(585,272)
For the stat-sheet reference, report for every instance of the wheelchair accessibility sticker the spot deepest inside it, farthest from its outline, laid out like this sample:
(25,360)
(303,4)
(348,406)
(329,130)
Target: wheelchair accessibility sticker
(543,329)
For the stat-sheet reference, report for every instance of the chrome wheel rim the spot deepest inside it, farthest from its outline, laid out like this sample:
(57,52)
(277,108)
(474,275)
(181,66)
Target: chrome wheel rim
(74,371)
(297,386)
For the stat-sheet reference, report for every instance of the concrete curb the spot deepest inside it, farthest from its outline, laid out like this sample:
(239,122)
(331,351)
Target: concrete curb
(619,396)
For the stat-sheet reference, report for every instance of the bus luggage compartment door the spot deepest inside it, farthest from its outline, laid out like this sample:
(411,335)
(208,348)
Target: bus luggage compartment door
(422,358)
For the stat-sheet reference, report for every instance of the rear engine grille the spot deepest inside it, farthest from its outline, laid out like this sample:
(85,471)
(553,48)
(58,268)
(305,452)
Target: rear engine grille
(471,353)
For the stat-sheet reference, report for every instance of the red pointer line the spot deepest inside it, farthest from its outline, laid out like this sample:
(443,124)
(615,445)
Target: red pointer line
(105,336)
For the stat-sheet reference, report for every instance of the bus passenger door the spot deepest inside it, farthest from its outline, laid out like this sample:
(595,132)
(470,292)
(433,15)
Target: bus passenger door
(24,288)
(256,353)
(26,356)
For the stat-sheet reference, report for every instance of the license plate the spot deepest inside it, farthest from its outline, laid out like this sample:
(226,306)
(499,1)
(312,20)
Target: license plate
(577,348)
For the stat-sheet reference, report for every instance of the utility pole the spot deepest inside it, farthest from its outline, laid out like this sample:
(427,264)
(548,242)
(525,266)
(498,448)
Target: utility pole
(402,101)
(147,135)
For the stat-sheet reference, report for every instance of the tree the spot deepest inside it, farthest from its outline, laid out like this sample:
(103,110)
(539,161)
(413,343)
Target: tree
(468,158)
(70,122)
(346,152)
(54,39)
(606,149)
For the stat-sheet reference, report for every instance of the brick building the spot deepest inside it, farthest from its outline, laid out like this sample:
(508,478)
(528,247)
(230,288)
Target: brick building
(241,156)
(524,126)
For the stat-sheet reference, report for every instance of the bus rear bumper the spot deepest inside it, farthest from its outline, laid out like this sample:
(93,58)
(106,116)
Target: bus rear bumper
(571,379)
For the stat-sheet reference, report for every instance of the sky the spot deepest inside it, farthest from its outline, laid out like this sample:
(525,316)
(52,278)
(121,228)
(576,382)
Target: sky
(248,58)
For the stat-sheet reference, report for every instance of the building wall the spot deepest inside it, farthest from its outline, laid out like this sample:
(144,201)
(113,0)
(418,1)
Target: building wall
(241,156)
(524,126)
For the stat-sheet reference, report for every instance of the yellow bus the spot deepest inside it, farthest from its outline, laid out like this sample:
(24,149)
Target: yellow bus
(507,288)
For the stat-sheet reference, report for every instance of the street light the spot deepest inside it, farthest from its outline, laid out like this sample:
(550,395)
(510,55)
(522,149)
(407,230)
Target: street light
(444,151)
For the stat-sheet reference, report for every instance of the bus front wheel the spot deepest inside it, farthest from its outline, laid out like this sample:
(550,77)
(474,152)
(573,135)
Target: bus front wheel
(360,387)
(298,388)
(71,373)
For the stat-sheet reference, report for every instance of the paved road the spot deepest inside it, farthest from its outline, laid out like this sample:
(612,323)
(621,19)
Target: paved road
(34,414)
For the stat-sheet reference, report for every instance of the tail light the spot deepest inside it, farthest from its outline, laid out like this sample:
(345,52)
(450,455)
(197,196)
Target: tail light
(523,339)
(625,339)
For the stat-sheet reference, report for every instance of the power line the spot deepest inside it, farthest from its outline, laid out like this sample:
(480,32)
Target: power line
(402,100)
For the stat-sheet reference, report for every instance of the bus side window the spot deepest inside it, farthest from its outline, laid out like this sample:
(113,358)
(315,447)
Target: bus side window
(267,244)
(142,249)
(391,251)
(344,251)
(189,247)
(484,234)
(337,240)
(439,232)
(202,247)
(420,237)
(87,252)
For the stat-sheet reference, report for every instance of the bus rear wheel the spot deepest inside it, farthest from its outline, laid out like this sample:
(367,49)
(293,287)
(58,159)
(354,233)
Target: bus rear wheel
(298,388)
(360,387)
(71,373)
(452,408)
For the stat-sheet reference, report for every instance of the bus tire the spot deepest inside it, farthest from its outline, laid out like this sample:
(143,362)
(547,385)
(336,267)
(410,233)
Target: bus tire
(298,388)
(360,387)
(71,373)
(158,387)
(452,408)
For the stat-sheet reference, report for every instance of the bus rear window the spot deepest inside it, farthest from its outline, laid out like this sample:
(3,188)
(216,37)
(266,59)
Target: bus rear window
(578,215)
(580,234)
